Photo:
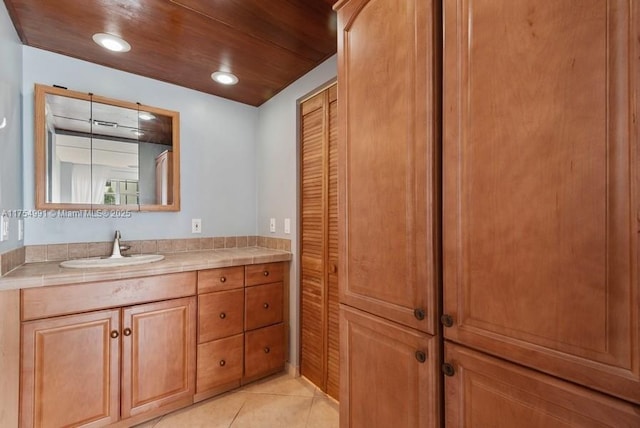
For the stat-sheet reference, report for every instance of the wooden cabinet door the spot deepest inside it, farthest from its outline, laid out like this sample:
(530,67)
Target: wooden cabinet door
(488,392)
(389,374)
(387,159)
(70,371)
(541,185)
(158,354)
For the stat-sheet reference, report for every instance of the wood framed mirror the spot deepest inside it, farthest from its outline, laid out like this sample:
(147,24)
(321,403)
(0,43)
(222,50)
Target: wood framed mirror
(93,152)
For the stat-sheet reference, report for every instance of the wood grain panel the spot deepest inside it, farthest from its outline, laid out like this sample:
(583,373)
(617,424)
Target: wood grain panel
(540,190)
(313,243)
(45,302)
(267,45)
(382,382)
(387,159)
(263,273)
(332,336)
(488,392)
(59,356)
(220,279)
(263,350)
(263,305)
(159,356)
(9,357)
(219,362)
(220,314)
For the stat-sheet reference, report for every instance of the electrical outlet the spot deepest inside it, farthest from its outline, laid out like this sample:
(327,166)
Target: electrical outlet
(196,225)
(287,225)
(272,225)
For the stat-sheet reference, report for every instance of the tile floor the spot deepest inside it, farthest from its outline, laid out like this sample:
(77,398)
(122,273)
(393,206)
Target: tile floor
(278,401)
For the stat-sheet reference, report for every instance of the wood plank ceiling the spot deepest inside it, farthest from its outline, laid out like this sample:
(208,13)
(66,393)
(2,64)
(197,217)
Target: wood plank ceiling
(267,44)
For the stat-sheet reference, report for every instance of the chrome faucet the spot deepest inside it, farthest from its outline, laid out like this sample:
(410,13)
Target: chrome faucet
(115,252)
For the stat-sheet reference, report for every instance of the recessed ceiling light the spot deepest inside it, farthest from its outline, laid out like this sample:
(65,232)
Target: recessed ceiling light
(146,116)
(111,42)
(224,78)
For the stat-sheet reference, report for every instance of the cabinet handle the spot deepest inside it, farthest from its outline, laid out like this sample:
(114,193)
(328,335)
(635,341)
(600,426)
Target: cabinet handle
(114,334)
(446,320)
(266,350)
(265,273)
(127,331)
(419,313)
(223,279)
(222,315)
(448,369)
(421,356)
(333,268)
(222,363)
(266,306)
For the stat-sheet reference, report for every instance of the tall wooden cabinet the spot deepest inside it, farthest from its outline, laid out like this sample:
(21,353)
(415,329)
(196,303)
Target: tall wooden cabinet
(388,198)
(540,206)
(319,356)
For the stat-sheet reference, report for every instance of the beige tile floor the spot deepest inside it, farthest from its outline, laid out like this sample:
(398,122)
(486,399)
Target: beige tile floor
(278,401)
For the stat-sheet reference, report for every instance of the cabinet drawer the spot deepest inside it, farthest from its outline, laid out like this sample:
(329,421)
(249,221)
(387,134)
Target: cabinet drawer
(220,314)
(264,273)
(220,279)
(263,305)
(264,350)
(219,362)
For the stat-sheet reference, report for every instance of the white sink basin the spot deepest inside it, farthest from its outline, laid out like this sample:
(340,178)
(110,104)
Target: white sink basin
(96,262)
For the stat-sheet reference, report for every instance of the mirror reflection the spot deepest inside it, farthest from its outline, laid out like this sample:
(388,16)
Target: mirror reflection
(97,152)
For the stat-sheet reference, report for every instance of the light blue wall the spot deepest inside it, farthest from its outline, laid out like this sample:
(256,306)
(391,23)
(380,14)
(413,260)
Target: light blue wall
(217,147)
(11,134)
(277,169)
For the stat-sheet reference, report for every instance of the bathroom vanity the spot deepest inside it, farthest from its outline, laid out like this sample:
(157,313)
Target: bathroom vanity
(118,346)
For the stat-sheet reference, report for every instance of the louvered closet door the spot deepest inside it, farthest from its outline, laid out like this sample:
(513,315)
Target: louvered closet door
(319,357)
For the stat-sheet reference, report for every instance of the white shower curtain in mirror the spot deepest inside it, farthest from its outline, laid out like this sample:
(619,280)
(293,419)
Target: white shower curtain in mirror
(87,183)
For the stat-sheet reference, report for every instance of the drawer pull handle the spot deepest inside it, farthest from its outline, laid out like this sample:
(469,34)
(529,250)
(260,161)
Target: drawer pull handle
(265,273)
(222,315)
(114,334)
(266,306)
(266,350)
(446,320)
(223,279)
(448,369)
(127,331)
(419,314)
(421,356)
(222,363)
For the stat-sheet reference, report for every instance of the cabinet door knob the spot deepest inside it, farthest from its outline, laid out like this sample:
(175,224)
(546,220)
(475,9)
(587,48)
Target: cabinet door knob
(222,363)
(265,273)
(333,268)
(266,350)
(419,313)
(222,315)
(114,334)
(223,279)
(266,306)
(421,356)
(446,320)
(127,331)
(448,369)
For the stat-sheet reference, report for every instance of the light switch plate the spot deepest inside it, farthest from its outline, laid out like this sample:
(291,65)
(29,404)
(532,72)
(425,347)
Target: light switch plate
(287,225)
(196,225)
(272,225)
(4,228)
(20,230)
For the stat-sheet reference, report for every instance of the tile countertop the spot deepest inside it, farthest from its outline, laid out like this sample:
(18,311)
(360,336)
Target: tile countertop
(50,273)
